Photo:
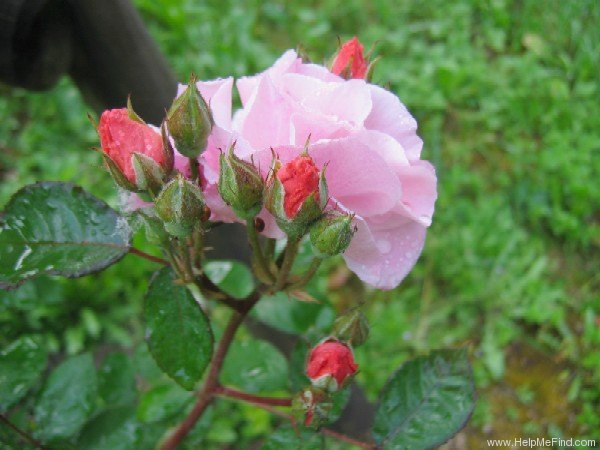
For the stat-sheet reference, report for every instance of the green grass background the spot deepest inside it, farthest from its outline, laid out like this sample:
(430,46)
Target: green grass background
(507,96)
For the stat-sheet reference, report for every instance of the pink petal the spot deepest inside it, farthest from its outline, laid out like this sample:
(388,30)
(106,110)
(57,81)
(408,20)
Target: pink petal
(419,191)
(356,176)
(264,121)
(383,258)
(287,62)
(391,116)
(348,102)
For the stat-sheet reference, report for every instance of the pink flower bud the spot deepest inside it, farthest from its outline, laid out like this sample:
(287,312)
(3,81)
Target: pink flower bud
(330,364)
(350,61)
(121,137)
(300,178)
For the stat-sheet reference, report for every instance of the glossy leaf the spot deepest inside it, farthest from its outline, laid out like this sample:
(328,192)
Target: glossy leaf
(177,331)
(68,398)
(58,229)
(255,366)
(425,402)
(232,277)
(21,364)
(286,437)
(113,429)
(116,379)
(162,401)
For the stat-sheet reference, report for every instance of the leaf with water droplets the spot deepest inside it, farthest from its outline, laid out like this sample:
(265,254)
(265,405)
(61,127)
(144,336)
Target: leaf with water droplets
(68,399)
(255,366)
(177,331)
(113,429)
(21,364)
(58,229)
(425,402)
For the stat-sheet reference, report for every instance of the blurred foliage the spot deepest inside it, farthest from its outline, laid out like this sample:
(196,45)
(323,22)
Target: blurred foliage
(507,95)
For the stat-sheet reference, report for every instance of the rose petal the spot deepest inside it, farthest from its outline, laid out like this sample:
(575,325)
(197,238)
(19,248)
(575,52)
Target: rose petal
(287,62)
(391,116)
(342,102)
(357,177)
(383,258)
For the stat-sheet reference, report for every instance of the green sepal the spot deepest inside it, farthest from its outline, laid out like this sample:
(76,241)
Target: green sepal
(148,174)
(118,176)
(168,151)
(131,113)
(352,327)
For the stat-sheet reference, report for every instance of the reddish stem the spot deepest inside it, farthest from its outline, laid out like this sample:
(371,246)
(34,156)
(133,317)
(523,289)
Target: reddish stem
(147,256)
(20,432)
(348,439)
(256,399)
(207,393)
(267,405)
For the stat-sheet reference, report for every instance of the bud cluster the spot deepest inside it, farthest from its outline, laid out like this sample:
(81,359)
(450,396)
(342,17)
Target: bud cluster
(140,159)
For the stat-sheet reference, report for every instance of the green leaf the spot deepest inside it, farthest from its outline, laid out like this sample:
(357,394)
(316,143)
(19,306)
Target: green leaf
(68,398)
(177,331)
(116,379)
(58,229)
(33,294)
(297,378)
(232,277)
(255,366)
(286,437)
(425,402)
(161,402)
(288,314)
(21,364)
(113,429)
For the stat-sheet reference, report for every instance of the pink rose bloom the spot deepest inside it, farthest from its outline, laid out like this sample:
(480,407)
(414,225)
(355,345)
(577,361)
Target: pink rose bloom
(369,141)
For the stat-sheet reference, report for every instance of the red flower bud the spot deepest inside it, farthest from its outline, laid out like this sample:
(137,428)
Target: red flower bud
(121,137)
(328,361)
(300,178)
(350,61)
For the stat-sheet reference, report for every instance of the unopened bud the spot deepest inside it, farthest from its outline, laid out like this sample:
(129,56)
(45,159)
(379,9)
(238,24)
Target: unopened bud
(296,194)
(122,133)
(190,121)
(332,233)
(331,365)
(181,206)
(350,61)
(240,185)
(352,327)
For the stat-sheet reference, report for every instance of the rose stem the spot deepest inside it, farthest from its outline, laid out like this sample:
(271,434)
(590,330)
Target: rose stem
(288,260)
(250,398)
(20,432)
(156,259)
(207,393)
(257,250)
